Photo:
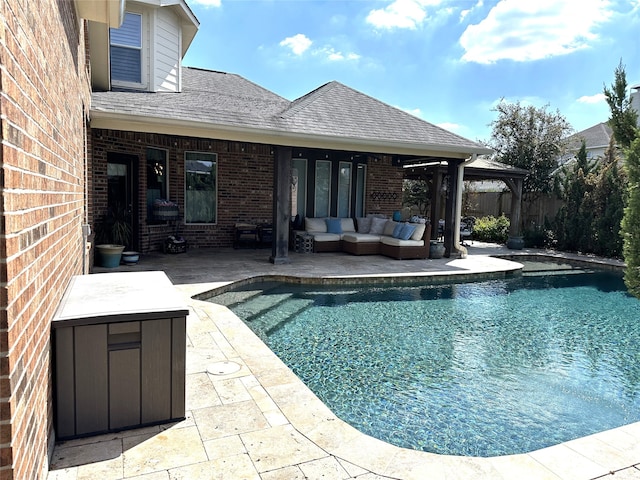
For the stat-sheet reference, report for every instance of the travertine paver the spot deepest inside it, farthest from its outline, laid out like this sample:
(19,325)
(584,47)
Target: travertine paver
(260,422)
(224,468)
(279,447)
(168,449)
(231,419)
(327,468)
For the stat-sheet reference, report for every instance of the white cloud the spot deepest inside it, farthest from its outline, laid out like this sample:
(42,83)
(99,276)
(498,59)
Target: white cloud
(524,30)
(416,112)
(401,14)
(298,43)
(597,98)
(207,3)
(334,55)
(452,127)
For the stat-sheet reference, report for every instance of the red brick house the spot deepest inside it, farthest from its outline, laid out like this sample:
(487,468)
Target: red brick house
(150,134)
(224,149)
(44,102)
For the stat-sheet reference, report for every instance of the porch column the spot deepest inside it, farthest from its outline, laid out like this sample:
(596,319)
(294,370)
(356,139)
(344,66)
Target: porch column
(515,240)
(436,184)
(281,205)
(452,209)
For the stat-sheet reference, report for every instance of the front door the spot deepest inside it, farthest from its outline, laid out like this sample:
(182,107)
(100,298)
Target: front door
(122,193)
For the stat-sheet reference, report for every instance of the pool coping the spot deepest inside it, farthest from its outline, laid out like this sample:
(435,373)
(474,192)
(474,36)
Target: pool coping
(586,457)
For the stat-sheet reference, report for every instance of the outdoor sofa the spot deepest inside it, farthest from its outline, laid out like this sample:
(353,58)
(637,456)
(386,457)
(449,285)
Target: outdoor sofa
(375,235)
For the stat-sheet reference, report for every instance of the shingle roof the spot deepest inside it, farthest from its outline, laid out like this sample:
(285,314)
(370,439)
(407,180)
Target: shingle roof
(594,137)
(337,110)
(333,111)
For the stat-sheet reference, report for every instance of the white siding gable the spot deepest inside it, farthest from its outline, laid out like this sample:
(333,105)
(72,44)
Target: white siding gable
(166,59)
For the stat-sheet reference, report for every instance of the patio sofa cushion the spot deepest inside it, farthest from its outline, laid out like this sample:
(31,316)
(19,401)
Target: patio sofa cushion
(334,225)
(364,224)
(347,225)
(398,242)
(397,230)
(389,227)
(313,225)
(357,237)
(377,225)
(419,231)
(325,237)
(406,232)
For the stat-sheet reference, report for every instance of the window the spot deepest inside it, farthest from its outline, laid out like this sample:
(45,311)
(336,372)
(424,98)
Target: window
(156,178)
(126,50)
(323,188)
(298,187)
(361,175)
(201,187)
(344,190)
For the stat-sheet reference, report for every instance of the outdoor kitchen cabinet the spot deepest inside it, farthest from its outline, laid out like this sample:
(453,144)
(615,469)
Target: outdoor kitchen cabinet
(119,344)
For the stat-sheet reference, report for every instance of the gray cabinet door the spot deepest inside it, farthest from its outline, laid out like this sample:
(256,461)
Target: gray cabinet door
(92,398)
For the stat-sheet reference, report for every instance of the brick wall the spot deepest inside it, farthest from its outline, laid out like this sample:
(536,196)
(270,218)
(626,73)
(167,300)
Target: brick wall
(384,186)
(245,182)
(44,91)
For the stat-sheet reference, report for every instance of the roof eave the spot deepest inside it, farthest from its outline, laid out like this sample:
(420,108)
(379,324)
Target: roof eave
(139,123)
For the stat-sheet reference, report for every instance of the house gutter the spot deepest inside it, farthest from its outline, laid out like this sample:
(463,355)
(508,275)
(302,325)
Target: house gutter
(146,124)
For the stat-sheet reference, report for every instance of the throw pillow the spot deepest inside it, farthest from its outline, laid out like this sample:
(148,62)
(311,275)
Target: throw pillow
(377,225)
(364,224)
(389,227)
(334,225)
(397,230)
(406,231)
(419,231)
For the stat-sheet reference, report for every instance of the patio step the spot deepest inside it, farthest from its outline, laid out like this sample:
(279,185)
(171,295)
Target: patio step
(235,297)
(258,305)
(268,321)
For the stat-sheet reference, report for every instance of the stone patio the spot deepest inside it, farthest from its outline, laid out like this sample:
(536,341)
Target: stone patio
(249,417)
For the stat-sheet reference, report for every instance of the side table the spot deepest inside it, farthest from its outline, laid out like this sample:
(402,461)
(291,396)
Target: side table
(303,242)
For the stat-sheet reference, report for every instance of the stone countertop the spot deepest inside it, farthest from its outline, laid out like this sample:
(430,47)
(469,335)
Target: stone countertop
(118,297)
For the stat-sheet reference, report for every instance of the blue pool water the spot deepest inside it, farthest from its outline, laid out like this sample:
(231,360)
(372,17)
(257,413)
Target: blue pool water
(483,369)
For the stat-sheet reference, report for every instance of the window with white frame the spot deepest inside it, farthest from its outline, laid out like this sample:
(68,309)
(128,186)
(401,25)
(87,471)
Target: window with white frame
(125,50)
(201,187)
(344,190)
(322,197)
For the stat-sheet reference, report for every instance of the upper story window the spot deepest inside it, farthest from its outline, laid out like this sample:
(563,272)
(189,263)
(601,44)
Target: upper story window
(126,50)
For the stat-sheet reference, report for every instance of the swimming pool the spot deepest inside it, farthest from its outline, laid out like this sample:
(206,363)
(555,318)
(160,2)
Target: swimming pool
(487,368)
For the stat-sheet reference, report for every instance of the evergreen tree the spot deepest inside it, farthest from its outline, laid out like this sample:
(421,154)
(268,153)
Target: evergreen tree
(631,220)
(624,118)
(573,222)
(606,203)
(623,121)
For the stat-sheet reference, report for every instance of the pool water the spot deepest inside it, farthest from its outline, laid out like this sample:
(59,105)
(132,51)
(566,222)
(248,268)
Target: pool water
(478,369)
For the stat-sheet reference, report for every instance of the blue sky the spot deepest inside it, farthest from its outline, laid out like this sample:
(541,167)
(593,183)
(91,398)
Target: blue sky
(447,62)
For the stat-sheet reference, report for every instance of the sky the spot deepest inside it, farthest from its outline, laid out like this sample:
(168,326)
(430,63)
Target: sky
(448,62)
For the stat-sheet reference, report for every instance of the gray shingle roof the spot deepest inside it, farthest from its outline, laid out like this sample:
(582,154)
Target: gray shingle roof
(333,111)
(596,136)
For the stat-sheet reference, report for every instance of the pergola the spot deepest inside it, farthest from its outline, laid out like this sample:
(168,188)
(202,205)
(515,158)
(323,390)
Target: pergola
(477,168)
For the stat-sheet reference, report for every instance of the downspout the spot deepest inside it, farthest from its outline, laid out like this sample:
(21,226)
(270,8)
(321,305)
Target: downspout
(460,186)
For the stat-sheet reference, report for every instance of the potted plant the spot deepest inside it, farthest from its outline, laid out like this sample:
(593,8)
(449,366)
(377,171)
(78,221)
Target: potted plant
(113,234)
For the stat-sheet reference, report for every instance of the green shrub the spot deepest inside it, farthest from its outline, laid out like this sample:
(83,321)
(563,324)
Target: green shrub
(491,229)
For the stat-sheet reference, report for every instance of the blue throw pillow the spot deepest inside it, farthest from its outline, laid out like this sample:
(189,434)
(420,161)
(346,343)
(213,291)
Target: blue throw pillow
(334,225)
(407,231)
(396,230)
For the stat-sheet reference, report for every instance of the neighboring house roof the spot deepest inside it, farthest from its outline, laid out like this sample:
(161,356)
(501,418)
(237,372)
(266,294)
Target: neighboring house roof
(597,136)
(227,106)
